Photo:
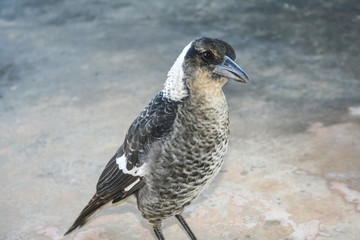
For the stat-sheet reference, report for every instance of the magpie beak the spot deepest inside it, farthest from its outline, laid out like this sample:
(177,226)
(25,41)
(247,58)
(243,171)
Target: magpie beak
(230,69)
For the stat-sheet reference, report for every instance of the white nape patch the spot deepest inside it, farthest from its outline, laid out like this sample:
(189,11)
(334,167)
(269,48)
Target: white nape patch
(132,185)
(135,171)
(175,88)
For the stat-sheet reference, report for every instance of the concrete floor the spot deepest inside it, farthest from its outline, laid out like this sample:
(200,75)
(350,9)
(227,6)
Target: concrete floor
(74,74)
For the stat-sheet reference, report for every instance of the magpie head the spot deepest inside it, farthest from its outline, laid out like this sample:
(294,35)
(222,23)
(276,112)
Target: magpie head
(204,65)
(214,58)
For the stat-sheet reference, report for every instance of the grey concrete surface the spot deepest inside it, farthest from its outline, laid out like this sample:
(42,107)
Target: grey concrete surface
(74,74)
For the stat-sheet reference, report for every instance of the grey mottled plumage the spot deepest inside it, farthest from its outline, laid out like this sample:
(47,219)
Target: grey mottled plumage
(178,143)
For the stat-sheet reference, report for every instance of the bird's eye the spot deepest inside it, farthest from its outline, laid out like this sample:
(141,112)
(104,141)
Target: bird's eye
(208,55)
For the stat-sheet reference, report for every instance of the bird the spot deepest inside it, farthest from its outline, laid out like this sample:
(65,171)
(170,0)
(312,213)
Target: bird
(177,144)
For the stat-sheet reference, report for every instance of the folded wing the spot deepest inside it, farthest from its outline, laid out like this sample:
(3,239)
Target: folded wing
(124,173)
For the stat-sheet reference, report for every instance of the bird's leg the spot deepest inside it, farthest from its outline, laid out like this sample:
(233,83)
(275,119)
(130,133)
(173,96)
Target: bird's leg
(159,234)
(186,226)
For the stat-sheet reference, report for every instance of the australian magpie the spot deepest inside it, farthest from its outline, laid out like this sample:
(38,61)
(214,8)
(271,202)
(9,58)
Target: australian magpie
(177,144)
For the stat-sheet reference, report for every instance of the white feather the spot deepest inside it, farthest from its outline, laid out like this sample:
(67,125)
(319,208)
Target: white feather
(175,88)
(135,171)
(132,185)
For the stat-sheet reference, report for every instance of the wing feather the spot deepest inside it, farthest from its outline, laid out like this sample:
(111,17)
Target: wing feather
(115,184)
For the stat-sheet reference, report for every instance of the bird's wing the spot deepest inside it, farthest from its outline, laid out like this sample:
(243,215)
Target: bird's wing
(123,174)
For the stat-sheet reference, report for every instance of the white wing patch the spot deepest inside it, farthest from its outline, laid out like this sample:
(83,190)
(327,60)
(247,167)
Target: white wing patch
(135,171)
(175,88)
(132,185)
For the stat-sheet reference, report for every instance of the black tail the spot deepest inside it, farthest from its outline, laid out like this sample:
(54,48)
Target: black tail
(95,204)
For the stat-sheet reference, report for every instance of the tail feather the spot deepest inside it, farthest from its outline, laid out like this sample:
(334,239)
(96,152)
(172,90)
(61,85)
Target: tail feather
(95,204)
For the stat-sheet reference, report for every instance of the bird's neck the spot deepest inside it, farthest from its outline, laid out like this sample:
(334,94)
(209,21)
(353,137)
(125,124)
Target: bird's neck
(205,89)
(206,97)
(205,111)
(174,87)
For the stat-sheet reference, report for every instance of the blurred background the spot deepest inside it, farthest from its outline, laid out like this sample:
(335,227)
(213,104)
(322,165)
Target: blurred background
(74,75)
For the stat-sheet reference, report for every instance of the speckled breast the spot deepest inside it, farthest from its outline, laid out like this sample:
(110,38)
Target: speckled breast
(185,162)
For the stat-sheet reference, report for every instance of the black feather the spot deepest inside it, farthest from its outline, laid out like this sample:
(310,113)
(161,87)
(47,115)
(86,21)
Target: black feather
(154,122)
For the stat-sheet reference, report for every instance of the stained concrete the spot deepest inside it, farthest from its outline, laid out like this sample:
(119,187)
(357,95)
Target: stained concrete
(74,74)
